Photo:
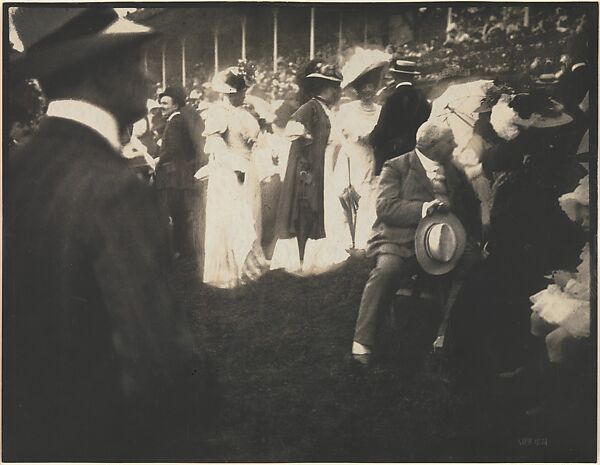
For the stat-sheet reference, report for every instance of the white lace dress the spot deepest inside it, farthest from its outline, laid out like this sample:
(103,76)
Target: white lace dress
(231,205)
(355,165)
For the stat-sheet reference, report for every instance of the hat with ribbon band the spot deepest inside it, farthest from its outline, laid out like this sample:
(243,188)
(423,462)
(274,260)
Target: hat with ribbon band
(440,241)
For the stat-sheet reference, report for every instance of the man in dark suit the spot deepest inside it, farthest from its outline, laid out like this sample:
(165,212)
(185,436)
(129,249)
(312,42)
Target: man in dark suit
(176,167)
(403,111)
(98,358)
(412,186)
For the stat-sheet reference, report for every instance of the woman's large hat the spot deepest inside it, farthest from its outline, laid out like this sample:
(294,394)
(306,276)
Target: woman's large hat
(326,72)
(440,241)
(362,62)
(540,110)
(404,67)
(55,38)
(233,79)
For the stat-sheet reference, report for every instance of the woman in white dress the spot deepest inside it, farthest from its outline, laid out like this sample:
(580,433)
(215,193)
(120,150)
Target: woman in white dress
(231,200)
(355,162)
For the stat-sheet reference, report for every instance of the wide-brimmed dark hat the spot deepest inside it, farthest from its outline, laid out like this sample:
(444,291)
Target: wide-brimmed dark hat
(176,93)
(404,67)
(326,72)
(55,38)
(546,112)
(440,242)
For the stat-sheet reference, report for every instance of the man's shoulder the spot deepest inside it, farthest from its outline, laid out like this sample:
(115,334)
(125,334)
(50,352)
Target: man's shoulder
(80,150)
(176,120)
(400,163)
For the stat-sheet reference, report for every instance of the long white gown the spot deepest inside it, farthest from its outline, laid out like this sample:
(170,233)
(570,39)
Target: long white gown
(230,205)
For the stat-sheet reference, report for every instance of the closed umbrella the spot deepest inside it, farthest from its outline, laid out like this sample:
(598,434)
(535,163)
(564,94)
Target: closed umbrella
(349,199)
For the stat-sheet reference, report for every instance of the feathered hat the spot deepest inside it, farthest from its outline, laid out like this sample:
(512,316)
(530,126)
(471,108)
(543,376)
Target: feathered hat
(533,109)
(362,62)
(234,78)
(326,72)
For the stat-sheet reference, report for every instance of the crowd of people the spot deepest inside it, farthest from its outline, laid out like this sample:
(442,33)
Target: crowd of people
(485,189)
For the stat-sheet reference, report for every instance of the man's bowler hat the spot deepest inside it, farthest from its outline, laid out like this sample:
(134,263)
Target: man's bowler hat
(176,93)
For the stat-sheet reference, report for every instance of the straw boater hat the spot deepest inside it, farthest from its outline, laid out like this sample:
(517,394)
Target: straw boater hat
(404,67)
(440,241)
(55,38)
(548,79)
(363,62)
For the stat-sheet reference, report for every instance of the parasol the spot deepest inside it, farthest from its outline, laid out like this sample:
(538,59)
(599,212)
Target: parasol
(457,107)
(349,199)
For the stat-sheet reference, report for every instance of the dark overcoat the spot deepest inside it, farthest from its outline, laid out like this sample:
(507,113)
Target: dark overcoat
(402,113)
(403,188)
(308,157)
(177,164)
(97,356)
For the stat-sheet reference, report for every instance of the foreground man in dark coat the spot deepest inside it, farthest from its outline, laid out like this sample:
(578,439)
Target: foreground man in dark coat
(98,359)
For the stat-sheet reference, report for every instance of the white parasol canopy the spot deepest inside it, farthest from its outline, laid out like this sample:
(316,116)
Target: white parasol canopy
(457,107)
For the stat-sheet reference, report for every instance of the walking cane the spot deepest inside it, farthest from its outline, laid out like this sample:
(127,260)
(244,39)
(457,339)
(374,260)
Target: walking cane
(353,221)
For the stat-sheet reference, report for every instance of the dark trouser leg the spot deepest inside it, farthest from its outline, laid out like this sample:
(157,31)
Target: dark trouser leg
(164,197)
(179,213)
(379,291)
(471,256)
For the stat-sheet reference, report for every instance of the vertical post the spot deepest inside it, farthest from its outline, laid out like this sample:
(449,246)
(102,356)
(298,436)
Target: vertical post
(340,36)
(164,65)
(216,43)
(244,38)
(183,73)
(366,32)
(146,61)
(312,33)
(275,25)
(449,20)
(526,16)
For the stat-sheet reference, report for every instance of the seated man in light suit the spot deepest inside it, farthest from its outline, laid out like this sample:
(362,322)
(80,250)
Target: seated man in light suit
(412,186)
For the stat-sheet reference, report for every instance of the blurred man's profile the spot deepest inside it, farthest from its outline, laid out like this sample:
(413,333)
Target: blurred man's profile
(98,357)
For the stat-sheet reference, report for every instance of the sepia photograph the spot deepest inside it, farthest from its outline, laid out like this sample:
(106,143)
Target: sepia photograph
(317,232)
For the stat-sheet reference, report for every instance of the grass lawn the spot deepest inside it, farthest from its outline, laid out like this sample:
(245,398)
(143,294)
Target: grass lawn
(280,347)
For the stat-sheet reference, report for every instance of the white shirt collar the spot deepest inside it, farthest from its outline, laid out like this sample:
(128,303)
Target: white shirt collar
(427,163)
(404,83)
(173,115)
(577,65)
(89,115)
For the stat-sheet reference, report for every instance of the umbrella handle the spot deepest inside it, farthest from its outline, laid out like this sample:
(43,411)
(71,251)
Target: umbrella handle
(452,110)
(349,181)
